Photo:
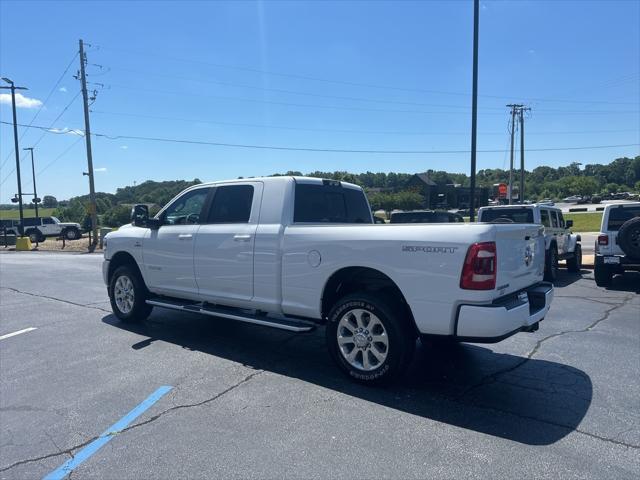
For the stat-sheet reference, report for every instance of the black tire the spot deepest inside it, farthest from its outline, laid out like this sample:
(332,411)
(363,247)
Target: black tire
(551,264)
(139,310)
(574,264)
(71,234)
(629,238)
(35,235)
(400,338)
(603,275)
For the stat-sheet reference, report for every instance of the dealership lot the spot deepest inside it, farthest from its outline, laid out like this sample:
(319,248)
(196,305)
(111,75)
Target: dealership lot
(246,401)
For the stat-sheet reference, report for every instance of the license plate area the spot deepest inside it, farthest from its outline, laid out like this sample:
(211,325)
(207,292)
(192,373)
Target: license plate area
(612,260)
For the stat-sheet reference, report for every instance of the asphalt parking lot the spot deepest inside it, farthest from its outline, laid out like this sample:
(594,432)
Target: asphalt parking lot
(249,402)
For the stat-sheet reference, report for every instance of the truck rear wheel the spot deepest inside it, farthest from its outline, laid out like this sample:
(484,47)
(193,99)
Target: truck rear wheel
(368,339)
(574,264)
(603,275)
(128,295)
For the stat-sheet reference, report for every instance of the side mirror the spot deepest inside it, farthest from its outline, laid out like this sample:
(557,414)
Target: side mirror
(568,223)
(140,216)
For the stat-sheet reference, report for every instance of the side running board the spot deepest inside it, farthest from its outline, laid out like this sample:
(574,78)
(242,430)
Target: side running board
(291,324)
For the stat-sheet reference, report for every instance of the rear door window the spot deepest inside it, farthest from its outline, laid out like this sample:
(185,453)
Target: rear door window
(544,216)
(330,203)
(619,215)
(231,204)
(47,221)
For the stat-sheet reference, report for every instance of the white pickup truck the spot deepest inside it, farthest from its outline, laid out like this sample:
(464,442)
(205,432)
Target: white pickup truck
(296,253)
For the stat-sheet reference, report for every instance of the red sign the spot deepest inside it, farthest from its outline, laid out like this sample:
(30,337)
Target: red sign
(502,190)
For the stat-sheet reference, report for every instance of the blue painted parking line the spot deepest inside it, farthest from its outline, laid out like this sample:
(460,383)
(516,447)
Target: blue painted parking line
(67,467)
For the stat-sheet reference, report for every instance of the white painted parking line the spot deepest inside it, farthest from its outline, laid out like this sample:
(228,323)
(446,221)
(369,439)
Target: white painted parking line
(2,337)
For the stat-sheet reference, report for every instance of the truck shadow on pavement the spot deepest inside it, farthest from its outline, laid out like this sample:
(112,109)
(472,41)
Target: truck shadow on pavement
(535,402)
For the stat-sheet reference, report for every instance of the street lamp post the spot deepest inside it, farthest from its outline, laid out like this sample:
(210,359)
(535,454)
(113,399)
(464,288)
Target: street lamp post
(13,89)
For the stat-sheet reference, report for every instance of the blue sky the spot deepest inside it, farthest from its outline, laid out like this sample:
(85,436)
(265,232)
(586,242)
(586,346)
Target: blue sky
(357,75)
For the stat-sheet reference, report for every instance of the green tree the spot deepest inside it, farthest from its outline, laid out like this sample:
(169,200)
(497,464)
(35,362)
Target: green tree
(117,216)
(49,201)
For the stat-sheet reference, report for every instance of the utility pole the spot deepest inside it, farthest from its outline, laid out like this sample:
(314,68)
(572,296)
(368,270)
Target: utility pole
(87,136)
(474,111)
(514,108)
(17,150)
(522,110)
(36,200)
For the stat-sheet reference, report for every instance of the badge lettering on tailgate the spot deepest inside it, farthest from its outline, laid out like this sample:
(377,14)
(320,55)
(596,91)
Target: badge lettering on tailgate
(428,249)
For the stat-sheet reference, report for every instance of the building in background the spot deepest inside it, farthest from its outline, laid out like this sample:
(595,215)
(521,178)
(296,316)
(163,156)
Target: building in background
(445,195)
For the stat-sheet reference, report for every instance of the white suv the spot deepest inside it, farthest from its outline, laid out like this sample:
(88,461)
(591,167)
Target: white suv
(38,229)
(560,243)
(618,244)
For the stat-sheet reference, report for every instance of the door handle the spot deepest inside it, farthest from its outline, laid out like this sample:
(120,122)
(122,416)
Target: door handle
(242,238)
(185,236)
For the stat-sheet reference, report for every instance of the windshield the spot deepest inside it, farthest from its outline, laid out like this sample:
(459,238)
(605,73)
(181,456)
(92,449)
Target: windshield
(618,216)
(516,215)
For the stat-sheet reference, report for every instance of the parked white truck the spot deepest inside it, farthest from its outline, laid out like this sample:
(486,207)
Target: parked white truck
(295,253)
(560,243)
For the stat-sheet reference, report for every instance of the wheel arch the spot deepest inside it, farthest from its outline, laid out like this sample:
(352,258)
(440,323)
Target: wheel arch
(123,258)
(353,279)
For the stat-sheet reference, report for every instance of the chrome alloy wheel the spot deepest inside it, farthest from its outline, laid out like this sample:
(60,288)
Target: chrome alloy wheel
(362,339)
(124,294)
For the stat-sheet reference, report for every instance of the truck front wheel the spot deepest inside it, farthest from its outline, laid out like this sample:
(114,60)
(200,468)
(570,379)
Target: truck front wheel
(128,295)
(71,233)
(368,339)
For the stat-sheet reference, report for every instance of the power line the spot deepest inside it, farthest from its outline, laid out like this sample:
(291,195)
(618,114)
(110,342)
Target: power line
(329,150)
(67,150)
(297,92)
(346,82)
(53,89)
(364,109)
(46,129)
(373,132)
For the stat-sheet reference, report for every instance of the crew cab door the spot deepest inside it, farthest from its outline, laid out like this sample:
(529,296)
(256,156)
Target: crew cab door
(168,251)
(224,246)
(50,227)
(558,230)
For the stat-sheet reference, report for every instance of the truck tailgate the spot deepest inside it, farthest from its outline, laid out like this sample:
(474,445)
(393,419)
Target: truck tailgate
(520,252)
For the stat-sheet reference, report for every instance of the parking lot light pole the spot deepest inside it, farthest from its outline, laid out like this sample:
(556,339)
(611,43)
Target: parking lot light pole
(13,89)
(474,112)
(36,200)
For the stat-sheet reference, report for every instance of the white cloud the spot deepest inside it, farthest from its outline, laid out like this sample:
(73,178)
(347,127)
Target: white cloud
(21,101)
(124,147)
(62,89)
(100,169)
(70,131)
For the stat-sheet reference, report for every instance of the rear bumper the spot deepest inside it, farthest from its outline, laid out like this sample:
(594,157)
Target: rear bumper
(621,262)
(520,311)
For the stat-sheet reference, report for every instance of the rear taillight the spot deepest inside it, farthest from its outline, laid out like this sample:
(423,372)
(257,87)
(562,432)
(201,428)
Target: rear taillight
(480,267)
(603,240)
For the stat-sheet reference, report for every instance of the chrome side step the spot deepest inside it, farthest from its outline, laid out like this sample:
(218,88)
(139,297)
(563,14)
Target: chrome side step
(291,324)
